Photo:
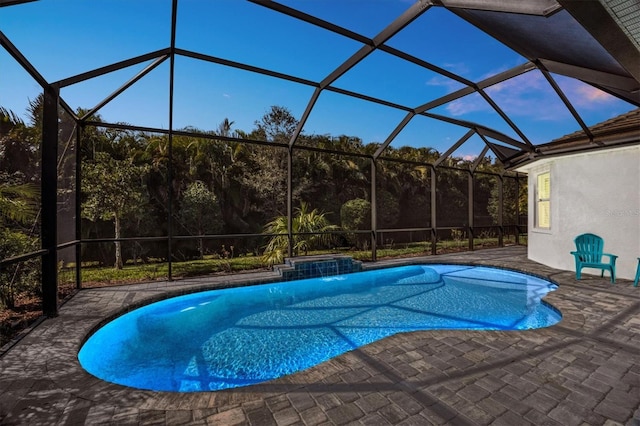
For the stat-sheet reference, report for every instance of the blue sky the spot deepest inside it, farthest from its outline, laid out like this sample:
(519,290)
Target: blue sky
(63,38)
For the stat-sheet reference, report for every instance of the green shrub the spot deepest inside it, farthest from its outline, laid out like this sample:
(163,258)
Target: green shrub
(356,215)
(21,277)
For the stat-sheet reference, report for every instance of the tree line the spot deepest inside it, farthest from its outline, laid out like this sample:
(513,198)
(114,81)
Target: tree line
(211,182)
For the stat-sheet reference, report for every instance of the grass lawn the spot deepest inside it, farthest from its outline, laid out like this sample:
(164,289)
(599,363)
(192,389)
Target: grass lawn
(93,276)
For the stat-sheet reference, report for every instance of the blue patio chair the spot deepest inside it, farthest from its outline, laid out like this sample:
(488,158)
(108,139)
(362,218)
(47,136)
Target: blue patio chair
(589,254)
(635,282)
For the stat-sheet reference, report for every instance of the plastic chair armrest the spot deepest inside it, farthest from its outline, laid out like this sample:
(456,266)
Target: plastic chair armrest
(578,255)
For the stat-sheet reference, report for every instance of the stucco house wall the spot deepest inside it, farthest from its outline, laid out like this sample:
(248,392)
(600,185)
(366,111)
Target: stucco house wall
(597,192)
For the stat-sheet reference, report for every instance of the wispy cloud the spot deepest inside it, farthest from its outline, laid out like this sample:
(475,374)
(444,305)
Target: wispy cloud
(459,68)
(468,104)
(442,81)
(495,71)
(522,84)
(530,96)
(226,95)
(585,96)
(593,94)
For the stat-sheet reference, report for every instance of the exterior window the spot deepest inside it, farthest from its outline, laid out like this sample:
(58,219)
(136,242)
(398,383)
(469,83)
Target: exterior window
(543,201)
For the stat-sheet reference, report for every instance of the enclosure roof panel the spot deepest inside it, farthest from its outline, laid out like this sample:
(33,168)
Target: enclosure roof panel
(510,74)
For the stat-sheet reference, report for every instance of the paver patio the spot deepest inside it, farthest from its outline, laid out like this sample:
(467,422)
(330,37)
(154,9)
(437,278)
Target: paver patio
(584,370)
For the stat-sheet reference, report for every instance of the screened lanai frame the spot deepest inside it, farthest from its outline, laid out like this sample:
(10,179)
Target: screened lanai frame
(508,150)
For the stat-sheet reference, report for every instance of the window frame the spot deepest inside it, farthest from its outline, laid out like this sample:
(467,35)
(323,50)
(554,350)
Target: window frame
(543,198)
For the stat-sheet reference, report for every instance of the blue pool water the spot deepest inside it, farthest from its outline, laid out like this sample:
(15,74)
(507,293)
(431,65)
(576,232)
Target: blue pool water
(241,336)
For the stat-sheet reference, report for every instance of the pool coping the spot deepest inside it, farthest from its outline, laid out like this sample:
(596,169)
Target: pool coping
(48,354)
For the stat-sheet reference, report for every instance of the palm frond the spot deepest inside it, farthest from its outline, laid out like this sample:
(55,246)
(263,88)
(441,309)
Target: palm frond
(19,202)
(309,228)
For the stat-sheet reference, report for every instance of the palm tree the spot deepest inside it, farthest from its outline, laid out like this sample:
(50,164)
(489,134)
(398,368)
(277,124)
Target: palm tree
(18,199)
(19,202)
(309,231)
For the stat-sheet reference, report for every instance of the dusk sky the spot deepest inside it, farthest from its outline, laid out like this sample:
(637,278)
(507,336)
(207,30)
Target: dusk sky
(62,38)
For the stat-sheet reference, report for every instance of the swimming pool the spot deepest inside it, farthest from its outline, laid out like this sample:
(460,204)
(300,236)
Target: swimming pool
(241,336)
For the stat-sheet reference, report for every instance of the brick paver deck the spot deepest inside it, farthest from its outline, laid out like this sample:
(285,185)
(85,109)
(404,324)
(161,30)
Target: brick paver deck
(584,370)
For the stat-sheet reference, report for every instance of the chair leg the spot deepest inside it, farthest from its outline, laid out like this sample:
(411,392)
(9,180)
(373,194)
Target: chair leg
(635,282)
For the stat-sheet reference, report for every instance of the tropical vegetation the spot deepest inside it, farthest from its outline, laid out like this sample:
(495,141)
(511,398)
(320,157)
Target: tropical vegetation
(19,203)
(226,193)
(310,229)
